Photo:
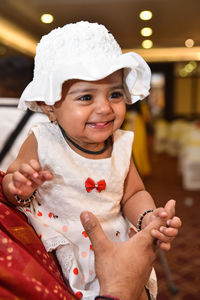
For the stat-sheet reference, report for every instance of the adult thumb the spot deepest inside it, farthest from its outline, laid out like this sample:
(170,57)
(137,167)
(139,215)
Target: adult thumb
(94,231)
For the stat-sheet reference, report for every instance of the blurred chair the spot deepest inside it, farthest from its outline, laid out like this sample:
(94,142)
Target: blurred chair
(161,128)
(189,159)
(177,132)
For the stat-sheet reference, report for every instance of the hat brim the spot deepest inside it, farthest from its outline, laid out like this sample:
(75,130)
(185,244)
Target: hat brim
(48,87)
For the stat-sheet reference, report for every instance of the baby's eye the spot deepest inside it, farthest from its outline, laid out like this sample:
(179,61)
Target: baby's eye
(85,98)
(116,95)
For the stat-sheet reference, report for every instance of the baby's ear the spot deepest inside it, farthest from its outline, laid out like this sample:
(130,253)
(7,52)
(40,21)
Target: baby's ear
(48,110)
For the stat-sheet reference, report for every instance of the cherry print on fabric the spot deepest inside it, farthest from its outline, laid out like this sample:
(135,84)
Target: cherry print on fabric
(117,233)
(75,271)
(90,185)
(91,248)
(64,228)
(39,213)
(84,234)
(79,295)
(84,254)
(52,215)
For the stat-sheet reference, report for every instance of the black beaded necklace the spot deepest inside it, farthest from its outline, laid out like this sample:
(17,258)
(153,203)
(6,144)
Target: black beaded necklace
(82,149)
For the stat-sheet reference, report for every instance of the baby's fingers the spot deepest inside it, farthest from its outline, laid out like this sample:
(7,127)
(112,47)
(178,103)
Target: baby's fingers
(174,222)
(160,212)
(13,189)
(169,231)
(28,171)
(161,236)
(170,208)
(46,175)
(19,179)
(39,178)
(164,246)
(32,172)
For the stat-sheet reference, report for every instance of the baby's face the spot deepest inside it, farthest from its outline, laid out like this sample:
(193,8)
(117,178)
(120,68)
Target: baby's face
(90,111)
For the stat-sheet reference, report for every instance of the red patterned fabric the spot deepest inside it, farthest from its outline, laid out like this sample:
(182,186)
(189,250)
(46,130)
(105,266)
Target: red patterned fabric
(27,271)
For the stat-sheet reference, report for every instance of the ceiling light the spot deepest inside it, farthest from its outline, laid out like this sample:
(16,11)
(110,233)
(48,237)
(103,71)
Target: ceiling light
(47,18)
(189,43)
(147,44)
(145,15)
(146,31)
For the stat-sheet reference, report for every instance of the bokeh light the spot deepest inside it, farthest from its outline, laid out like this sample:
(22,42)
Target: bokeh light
(47,18)
(189,43)
(147,44)
(146,31)
(145,15)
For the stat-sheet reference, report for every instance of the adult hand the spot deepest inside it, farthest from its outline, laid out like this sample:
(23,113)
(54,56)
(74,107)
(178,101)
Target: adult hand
(122,268)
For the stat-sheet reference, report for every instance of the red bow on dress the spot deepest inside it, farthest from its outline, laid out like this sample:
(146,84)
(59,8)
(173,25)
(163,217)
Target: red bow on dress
(90,185)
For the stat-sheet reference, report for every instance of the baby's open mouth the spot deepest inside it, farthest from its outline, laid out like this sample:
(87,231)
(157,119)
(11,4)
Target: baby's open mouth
(100,124)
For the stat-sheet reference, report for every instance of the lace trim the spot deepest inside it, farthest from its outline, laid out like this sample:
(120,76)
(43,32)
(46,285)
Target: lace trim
(65,257)
(53,243)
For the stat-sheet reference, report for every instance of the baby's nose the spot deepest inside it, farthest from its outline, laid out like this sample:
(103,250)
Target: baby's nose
(103,106)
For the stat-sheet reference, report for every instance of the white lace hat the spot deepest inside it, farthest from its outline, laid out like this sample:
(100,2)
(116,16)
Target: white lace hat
(85,51)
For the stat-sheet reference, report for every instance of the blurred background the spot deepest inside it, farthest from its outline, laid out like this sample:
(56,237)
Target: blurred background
(166,124)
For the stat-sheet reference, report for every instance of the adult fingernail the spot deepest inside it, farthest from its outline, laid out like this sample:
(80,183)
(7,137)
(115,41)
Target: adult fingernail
(168,222)
(85,217)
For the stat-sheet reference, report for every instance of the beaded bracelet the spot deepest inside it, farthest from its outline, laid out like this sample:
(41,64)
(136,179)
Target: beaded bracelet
(139,225)
(26,202)
(106,297)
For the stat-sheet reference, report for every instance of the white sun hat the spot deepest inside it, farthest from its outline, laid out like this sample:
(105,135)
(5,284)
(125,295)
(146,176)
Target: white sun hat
(85,51)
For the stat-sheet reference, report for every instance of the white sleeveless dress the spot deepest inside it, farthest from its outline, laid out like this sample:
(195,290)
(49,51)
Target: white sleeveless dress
(56,214)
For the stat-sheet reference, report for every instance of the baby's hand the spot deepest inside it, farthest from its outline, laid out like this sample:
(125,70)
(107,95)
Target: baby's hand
(27,179)
(167,233)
